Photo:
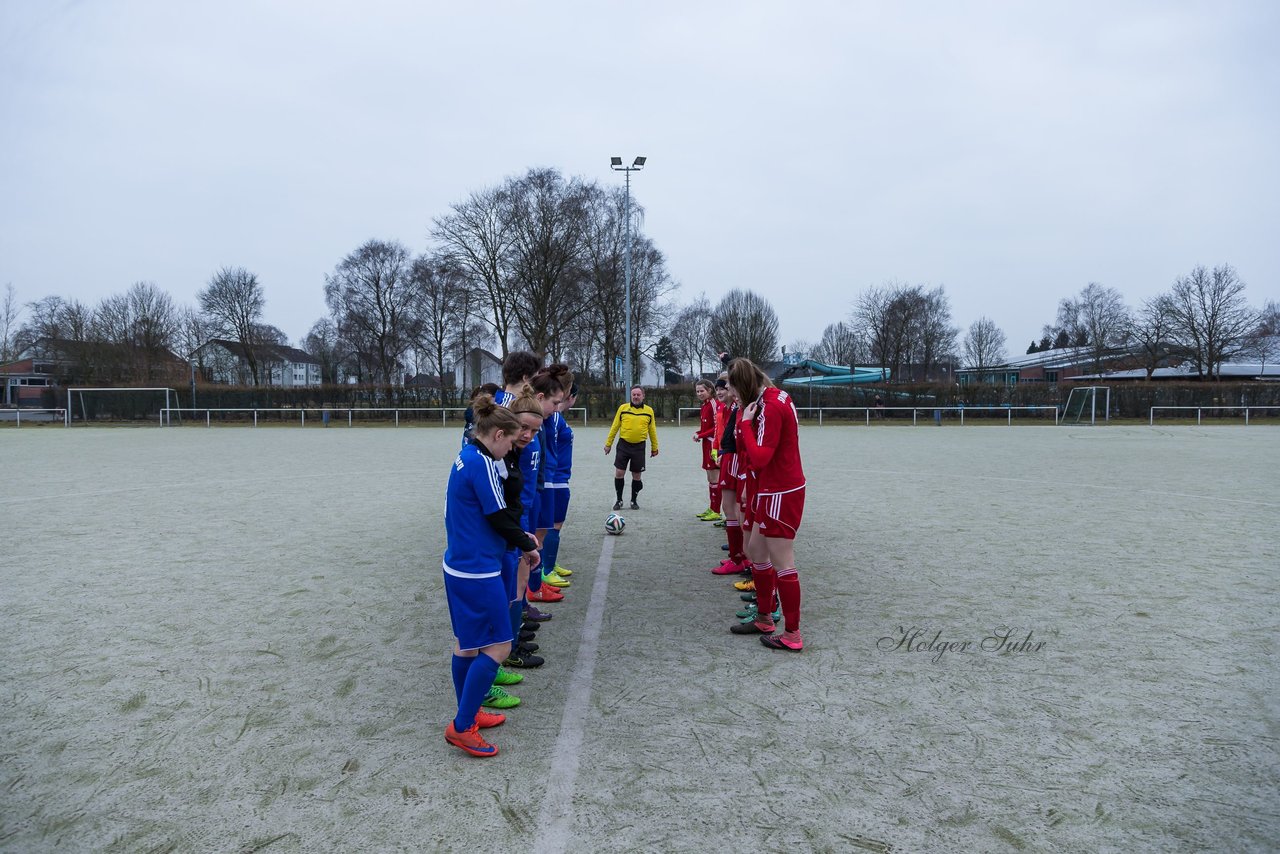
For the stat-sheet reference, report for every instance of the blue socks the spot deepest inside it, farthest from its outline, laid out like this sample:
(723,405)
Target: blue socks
(478,682)
(517,620)
(550,549)
(461,665)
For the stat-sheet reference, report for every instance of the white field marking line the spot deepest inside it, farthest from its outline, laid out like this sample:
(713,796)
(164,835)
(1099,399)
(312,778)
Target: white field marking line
(1056,484)
(554,831)
(62,496)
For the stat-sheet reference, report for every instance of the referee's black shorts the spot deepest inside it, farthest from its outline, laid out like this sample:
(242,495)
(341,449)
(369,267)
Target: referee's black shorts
(629,453)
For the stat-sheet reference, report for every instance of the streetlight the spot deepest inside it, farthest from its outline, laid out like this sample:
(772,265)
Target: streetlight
(615,163)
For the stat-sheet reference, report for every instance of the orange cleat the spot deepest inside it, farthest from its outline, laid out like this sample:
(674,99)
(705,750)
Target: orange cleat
(470,741)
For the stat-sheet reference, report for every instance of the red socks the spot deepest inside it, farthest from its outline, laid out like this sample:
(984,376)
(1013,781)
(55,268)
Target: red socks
(714,490)
(789,592)
(763,575)
(733,532)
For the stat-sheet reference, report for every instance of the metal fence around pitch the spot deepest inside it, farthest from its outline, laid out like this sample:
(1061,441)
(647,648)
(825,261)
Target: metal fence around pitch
(324,415)
(59,415)
(934,413)
(1151,416)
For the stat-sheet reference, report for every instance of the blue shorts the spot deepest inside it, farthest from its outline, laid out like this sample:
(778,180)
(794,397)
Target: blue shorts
(546,515)
(479,610)
(560,499)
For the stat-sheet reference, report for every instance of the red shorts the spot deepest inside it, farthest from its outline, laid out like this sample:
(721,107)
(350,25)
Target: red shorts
(707,463)
(746,499)
(778,514)
(728,480)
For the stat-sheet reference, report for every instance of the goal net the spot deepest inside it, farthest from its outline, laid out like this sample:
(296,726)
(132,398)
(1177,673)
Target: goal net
(1086,404)
(118,404)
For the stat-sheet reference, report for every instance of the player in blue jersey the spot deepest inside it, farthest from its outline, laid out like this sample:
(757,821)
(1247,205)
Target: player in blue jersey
(558,485)
(468,417)
(479,529)
(551,383)
(517,369)
(529,408)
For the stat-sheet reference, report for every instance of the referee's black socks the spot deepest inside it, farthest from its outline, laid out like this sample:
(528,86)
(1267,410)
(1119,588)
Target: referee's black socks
(617,486)
(636,486)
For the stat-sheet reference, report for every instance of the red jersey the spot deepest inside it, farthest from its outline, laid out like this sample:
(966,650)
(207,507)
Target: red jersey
(707,424)
(718,418)
(773,446)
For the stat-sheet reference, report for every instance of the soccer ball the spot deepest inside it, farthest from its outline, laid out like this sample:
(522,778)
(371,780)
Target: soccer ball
(614,524)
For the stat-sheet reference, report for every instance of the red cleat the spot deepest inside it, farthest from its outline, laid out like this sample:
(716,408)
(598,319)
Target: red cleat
(470,741)
(484,719)
(546,593)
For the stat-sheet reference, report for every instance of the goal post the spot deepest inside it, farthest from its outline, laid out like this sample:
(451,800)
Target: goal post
(1085,403)
(77,402)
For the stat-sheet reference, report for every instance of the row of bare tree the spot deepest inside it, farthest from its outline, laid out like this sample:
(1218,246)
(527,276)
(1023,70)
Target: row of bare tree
(1204,318)
(535,262)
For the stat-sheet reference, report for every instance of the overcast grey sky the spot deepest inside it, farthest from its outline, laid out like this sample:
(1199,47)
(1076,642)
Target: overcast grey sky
(1012,152)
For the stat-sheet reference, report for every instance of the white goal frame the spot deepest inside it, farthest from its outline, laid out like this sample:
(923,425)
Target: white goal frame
(68,415)
(1090,393)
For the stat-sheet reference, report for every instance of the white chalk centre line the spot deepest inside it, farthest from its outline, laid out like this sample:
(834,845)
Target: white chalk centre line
(555,829)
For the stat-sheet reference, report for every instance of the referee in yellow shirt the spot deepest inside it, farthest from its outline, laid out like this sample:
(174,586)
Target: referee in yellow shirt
(631,423)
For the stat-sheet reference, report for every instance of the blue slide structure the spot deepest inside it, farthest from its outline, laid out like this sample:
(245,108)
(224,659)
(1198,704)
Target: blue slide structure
(825,376)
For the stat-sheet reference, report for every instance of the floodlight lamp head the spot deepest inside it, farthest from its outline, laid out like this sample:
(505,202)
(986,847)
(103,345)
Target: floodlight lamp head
(615,162)
(639,162)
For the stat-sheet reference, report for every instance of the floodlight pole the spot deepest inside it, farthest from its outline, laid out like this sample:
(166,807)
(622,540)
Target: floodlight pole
(615,163)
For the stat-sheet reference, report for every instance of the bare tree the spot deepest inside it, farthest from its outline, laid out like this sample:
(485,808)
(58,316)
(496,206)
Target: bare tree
(690,335)
(906,326)
(1264,341)
(746,325)
(323,343)
(874,314)
(603,282)
(1152,330)
(55,319)
(1068,330)
(935,337)
(984,344)
(651,287)
(274,335)
(232,305)
(476,240)
(548,226)
(1105,321)
(1211,318)
(10,314)
(371,297)
(839,345)
(442,308)
(193,333)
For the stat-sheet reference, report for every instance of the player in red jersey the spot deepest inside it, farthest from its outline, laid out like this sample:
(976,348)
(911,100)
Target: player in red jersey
(706,435)
(770,442)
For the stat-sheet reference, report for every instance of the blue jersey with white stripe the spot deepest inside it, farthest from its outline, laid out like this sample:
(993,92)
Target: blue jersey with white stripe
(550,447)
(561,433)
(473,547)
(530,462)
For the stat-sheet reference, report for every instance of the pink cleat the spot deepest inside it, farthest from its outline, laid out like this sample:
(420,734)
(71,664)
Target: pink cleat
(729,566)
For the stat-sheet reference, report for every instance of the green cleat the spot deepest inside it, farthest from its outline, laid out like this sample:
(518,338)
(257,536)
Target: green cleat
(500,699)
(506,677)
